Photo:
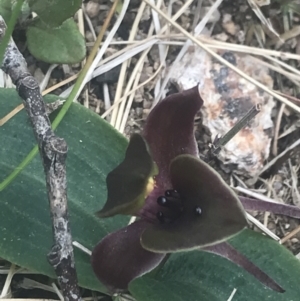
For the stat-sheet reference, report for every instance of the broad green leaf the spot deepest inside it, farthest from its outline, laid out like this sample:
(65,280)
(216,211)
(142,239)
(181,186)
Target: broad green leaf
(54,12)
(207,272)
(95,148)
(63,45)
(150,289)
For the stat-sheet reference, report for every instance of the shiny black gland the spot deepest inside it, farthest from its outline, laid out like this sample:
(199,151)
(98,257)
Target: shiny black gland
(173,207)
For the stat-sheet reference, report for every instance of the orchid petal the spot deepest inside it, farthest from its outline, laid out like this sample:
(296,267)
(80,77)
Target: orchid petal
(127,183)
(200,187)
(119,257)
(169,130)
(276,208)
(227,251)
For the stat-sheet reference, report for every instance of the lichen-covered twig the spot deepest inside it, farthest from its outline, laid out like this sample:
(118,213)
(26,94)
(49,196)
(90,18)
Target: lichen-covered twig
(53,151)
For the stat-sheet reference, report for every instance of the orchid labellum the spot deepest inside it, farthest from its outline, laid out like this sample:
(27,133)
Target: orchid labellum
(181,202)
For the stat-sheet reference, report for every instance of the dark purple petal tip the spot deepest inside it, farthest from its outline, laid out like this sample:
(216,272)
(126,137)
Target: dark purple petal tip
(119,257)
(210,211)
(127,183)
(169,130)
(227,251)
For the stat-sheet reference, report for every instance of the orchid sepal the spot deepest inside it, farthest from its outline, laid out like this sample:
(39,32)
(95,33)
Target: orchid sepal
(131,181)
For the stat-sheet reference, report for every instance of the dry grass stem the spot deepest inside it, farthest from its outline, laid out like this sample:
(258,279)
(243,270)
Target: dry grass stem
(125,64)
(105,44)
(119,123)
(277,128)
(247,49)
(295,78)
(60,84)
(198,29)
(58,292)
(290,235)
(132,91)
(294,186)
(262,227)
(6,288)
(106,96)
(283,64)
(225,62)
(118,110)
(11,114)
(82,31)
(28,283)
(46,78)
(133,82)
(82,248)
(262,18)
(253,194)
(268,165)
(232,295)
(89,23)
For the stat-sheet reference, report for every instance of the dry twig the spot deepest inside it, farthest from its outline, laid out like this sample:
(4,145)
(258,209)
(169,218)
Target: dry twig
(53,151)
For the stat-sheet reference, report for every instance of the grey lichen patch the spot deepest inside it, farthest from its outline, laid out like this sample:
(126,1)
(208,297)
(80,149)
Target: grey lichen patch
(59,145)
(41,124)
(13,63)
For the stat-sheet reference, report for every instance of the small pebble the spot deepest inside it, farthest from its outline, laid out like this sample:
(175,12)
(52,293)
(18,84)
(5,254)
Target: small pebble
(147,104)
(92,9)
(39,75)
(89,37)
(139,112)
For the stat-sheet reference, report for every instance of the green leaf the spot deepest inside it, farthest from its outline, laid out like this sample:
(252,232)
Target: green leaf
(63,45)
(5,9)
(150,289)
(54,12)
(95,148)
(205,272)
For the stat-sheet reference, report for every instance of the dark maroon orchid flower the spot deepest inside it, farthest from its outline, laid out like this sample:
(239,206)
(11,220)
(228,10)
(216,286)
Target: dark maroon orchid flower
(182,203)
